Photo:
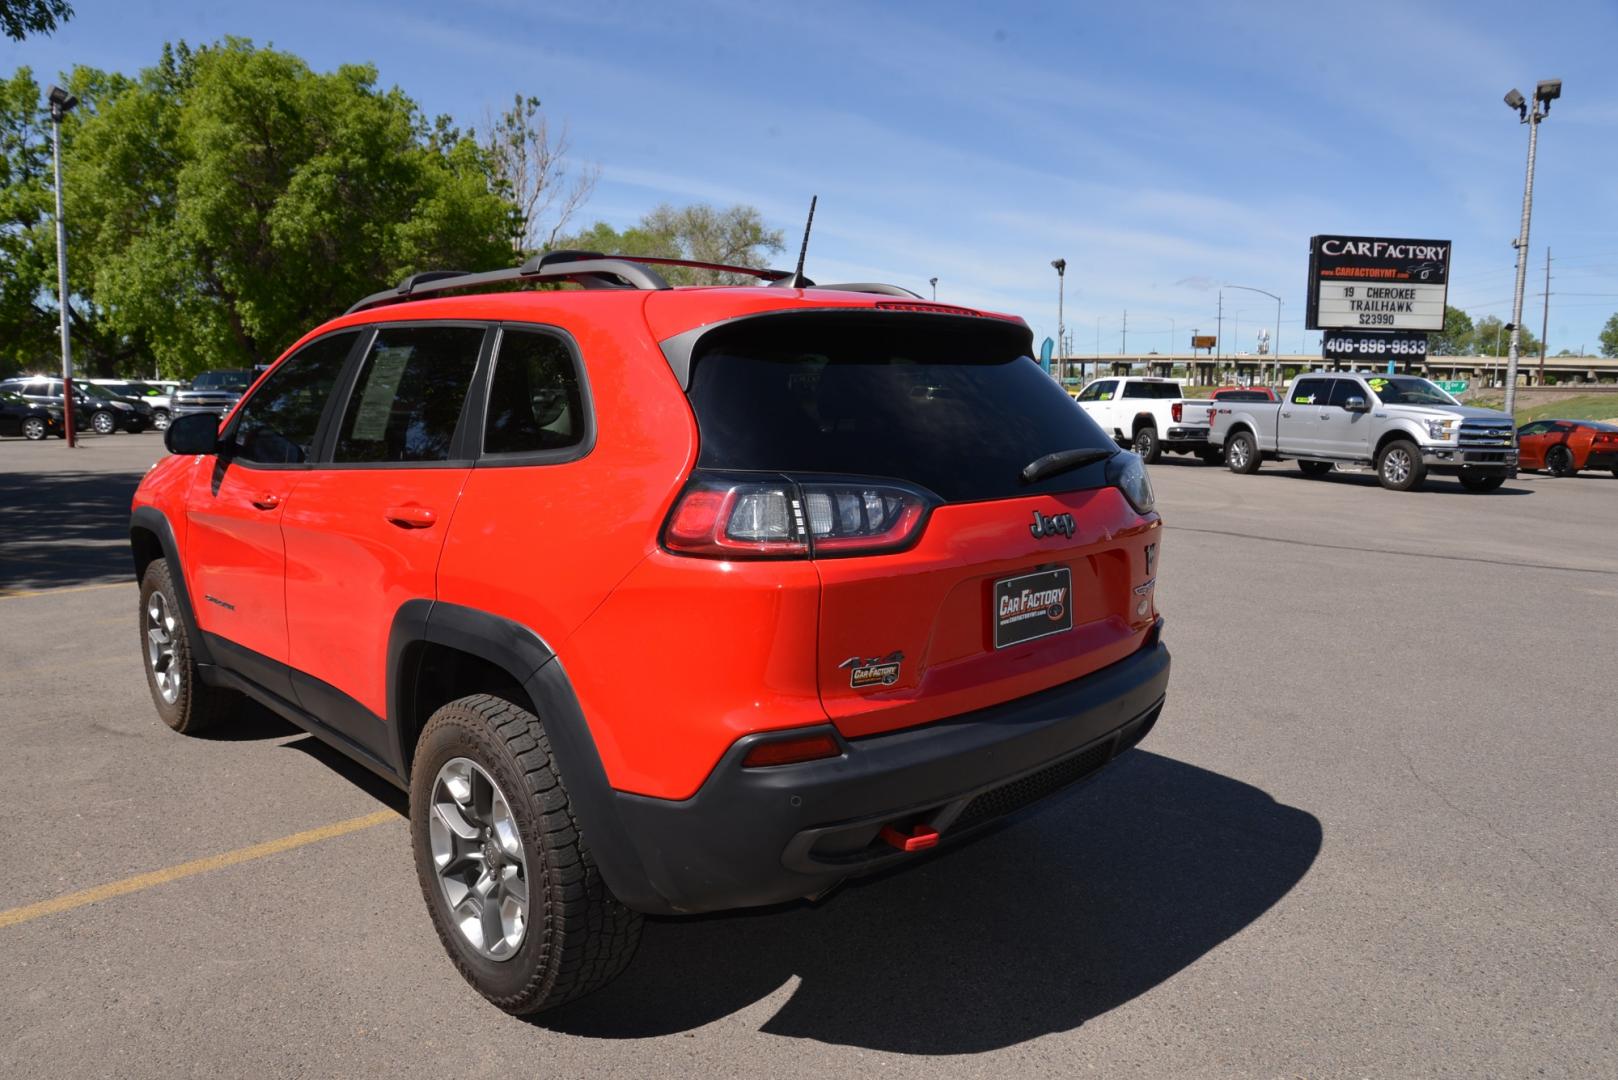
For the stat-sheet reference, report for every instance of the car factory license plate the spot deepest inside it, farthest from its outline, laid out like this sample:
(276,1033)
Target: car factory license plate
(1032,606)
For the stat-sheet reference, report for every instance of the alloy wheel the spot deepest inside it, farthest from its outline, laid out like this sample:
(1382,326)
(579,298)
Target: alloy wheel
(33,428)
(1237,453)
(103,423)
(1396,466)
(160,628)
(478,859)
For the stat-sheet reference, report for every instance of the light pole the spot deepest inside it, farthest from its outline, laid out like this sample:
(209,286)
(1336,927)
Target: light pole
(1061,325)
(1531,114)
(934,283)
(1277,339)
(62,103)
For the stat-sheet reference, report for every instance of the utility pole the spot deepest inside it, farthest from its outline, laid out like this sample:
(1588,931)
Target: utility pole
(934,283)
(62,103)
(1531,114)
(1123,342)
(1061,324)
(1219,332)
(1545,318)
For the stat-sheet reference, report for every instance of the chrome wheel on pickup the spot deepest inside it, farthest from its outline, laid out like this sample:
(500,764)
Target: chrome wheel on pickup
(1399,466)
(1241,453)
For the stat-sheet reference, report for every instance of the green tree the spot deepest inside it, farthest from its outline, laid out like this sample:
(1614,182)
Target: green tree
(1456,337)
(735,236)
(229,198)
(19,18)
(1491,338)
(531,168)
(1609,337)
(26,324)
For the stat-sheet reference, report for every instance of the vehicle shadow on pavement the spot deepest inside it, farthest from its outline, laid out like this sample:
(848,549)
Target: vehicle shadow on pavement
(65,528)
(1433,485)
(1059,917)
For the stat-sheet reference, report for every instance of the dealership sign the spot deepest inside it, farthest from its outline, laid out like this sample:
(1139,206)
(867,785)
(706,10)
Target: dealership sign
(1358,346)
(1377,283)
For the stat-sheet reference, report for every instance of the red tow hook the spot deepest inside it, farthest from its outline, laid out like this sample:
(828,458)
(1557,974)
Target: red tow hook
(919,838)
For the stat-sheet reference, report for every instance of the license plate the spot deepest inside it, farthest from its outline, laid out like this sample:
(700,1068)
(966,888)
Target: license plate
(1032,606)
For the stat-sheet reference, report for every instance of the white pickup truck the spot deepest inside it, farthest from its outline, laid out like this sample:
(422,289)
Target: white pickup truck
(1149,416)
(1402,426)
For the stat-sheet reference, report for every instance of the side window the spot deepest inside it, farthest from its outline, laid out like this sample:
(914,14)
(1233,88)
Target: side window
(409,395)
(1538,427)
(1106,390)
(276,426)
(1090,393)
(1343,389)
(1310,392)
(534,398)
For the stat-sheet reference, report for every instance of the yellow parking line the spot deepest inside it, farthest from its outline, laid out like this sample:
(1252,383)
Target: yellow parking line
(72,900)
(18,595)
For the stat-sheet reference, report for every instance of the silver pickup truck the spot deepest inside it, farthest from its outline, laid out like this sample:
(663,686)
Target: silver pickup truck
(1403,426)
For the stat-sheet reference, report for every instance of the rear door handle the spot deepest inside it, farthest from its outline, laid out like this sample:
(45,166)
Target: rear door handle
(410,517)
(265,500)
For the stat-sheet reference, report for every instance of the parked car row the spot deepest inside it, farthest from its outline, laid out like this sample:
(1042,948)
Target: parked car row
(1404,427)
(33,403)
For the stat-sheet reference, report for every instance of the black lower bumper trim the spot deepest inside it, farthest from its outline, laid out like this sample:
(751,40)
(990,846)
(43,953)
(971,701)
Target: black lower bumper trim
(750,837)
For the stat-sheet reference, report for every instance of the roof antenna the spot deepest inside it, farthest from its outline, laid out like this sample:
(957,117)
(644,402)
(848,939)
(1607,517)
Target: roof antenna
(797,275)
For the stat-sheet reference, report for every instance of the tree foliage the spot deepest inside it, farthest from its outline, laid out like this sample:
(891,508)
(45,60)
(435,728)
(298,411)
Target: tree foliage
(19,18)
(532,170)
(735,236)
(1609,337)
(1456,337)
(26,325)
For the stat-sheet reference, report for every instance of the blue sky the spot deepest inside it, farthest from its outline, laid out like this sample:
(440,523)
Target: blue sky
(1161,149)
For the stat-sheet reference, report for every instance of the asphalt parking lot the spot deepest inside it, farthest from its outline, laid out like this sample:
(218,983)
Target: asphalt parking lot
(1374,835)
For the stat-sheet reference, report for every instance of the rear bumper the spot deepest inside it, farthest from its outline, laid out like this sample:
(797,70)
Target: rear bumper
(1602,460)
(750,837)
(1190,437)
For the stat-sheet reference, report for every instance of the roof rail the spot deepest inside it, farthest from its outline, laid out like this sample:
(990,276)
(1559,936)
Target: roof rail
(870,287)
(589,269)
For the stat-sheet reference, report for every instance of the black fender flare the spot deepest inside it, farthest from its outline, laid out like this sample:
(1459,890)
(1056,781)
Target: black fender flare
(532,663)
(152,520)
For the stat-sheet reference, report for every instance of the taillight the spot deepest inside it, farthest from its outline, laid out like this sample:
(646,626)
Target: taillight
(737,517)
(1176,410)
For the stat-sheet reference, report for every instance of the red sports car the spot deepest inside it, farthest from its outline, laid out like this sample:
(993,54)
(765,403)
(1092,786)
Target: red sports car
(1563,447)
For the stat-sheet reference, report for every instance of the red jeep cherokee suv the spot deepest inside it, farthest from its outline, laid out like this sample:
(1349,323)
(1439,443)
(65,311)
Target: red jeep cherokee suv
(658,600)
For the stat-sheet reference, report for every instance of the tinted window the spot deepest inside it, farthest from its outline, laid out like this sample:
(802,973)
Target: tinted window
(277,424)
(534,398)
(1342,390)
(1311,392)
(1091,392)
(221,380)
(1406,390)
(1158,390)
(1241,395)
(955,405)
(1538,427)
(409,395)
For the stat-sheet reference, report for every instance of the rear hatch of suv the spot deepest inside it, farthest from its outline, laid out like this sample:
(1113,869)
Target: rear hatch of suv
(894,446)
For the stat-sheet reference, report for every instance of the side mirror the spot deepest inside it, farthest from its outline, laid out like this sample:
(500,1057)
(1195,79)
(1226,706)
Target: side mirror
(1356,404)
(194,434)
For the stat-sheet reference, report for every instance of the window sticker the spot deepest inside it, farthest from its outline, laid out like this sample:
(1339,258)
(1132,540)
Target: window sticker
(1377,384)
(1303,399)
(1106,395)
(381,387)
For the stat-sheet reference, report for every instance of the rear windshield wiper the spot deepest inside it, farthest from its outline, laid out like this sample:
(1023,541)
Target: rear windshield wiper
(1061,461)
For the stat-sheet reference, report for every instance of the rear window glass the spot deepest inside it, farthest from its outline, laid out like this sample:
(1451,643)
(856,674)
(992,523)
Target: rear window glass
(952,404)
(1242,395)
(1155,390)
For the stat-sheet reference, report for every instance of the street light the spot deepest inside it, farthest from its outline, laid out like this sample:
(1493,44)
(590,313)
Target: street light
(934,283)
(62,103)
(1061,325)
(1529,113)
(1277,299)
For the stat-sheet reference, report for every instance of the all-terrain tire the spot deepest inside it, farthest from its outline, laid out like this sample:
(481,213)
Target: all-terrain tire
(1147,444)
(1314,468)
(183,700)
(1399,466)
(1559,462)
(578,936)
(1241,453)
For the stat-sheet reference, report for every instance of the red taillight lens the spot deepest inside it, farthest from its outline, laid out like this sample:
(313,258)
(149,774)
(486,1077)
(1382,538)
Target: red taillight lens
(739,518)
(791,751)
(1176,410)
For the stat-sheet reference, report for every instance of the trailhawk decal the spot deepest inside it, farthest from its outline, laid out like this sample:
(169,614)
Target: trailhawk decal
(1032,606)
(877,671)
